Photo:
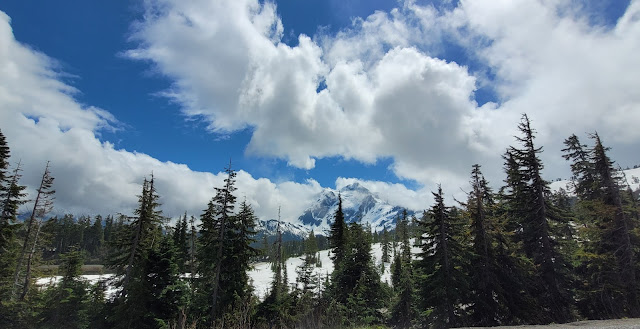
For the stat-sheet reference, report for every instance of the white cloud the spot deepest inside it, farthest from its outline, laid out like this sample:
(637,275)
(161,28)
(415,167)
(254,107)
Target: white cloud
(388,95)
(384,97)
(43,122)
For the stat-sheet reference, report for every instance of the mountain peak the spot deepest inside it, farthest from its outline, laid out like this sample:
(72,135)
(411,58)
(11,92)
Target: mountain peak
(355,186)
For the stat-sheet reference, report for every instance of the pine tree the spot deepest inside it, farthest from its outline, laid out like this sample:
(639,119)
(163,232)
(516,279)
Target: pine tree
(165,292)
(224,252)
(489,301)
(609,284)
(134,241)
(12,197)
(533,218)
(66,304)
(181,242)
(134,244)
(276,307)
(402,229)
(359,283)
(621,235)
(582,168)
(441,266)
(338,234)
(42,205)
(95,237)
(385,244)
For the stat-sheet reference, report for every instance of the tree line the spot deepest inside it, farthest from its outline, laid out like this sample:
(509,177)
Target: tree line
(519,255)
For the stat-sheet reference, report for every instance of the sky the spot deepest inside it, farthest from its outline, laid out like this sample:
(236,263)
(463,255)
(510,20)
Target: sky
(302,95)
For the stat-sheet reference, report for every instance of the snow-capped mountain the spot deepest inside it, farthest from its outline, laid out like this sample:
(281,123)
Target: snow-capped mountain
(289,231)
(358,204)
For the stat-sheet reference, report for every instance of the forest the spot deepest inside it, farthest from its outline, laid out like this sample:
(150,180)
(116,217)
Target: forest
(520,254)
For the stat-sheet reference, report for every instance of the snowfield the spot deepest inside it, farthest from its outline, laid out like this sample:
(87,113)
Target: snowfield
(261,274)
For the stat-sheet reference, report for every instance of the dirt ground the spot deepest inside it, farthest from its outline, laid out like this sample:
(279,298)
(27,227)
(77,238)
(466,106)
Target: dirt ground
(609,324)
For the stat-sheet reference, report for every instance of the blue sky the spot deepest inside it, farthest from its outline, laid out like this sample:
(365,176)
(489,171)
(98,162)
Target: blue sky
(87,40)
(399,95)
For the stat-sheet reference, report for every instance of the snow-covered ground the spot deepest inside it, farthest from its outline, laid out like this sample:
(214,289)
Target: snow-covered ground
(261,274)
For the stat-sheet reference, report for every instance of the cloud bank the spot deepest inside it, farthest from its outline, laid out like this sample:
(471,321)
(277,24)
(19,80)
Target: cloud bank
(378,89)
(382,88)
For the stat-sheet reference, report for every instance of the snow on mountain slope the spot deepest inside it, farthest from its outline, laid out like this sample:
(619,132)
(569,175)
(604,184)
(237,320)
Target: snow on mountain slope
(358,204)
(290,231)
(632,178)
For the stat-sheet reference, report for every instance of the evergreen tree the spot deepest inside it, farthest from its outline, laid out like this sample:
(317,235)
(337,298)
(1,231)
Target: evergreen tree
(441,266)
(181,242)
(95,237)
(136,239)
(609,284)
(66,304)
(165,292)
(385,244)
(276,307)
(4,161)
(12,197)
(134,244)
(42,205)
(359,283)
(621,228)
(402,229)
(488,276)
(534,218)
(338,234)
(224,253)
(404,310)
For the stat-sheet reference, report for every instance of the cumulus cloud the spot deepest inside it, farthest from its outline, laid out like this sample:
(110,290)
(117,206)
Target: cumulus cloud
(43,122)
(383,87)
(366,93)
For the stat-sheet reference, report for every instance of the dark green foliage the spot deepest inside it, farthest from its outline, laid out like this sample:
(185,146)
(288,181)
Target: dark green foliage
(12,195)
(224,252)
(181,242)
(339,234)
(134,240)
(66,304)
(134,244)
(385,243)
(536,220)
(42,205)
(440,270)
(607,257)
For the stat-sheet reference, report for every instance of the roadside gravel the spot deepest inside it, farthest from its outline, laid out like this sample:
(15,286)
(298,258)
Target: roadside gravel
(608,324)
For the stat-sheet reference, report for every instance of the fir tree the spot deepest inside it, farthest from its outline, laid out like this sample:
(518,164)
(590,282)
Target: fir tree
(224,252)
(609,284)
(385,244)
(134,243)
(181,242)
(489,301)
(42,205)
(620,232)
(338,234)
(533,218)
(441,266)
(136,239)
(66,304)
(12,197)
